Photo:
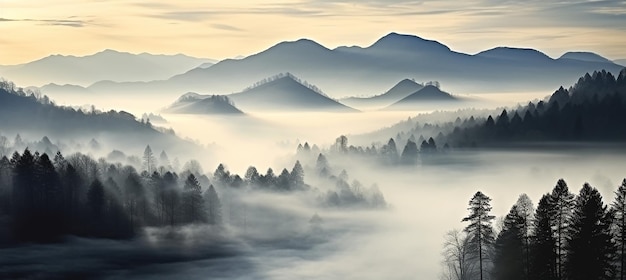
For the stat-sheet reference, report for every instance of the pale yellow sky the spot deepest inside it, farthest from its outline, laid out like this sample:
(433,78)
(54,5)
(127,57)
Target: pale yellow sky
(219,29)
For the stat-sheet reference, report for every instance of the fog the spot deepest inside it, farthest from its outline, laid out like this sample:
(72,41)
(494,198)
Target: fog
(275,239)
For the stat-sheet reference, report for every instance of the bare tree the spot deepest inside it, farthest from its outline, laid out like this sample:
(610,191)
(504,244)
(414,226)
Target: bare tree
(457,256)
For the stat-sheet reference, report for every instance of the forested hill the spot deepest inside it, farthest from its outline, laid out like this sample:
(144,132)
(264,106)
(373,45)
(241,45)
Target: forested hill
(594,109)
(26,113)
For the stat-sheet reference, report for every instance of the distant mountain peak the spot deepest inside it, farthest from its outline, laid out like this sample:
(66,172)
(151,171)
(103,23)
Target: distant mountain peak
(299,44)
(514,53)
(405,42)
(285,77)
(585,56)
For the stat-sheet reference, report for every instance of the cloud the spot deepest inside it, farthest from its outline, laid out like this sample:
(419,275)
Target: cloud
(54,22)
(226,27)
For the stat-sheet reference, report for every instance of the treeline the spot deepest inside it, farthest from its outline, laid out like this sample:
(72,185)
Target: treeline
(566,237)
(288,75)
(47,198)
(594,109)
(387,154)
(344,194)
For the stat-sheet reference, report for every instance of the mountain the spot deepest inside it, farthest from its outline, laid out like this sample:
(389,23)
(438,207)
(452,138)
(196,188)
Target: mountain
(621,62)
(400,90)
(193,103)
(105,65)
(429,94)
(21,112)
(585,56)
(344,71)
(285,92)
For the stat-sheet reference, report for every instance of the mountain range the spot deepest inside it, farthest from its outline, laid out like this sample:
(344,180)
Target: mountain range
(105,65)
(359,71)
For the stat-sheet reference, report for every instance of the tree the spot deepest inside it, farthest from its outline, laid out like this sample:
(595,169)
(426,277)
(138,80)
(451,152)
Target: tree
(619,209)
(165,161)
(509,248)
(213,206)
(297,176)
(457,255)
(562,202)
(480,231)
(589,248)
(252,176)
(409,154)
(192,200)
(526,213)
(544,242)
(96,200)
(149,161)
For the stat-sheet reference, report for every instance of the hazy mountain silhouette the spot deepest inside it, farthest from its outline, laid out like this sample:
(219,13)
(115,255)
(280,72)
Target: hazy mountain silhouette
(26,114)
(286,92)
(193,103)
(585,56)
(621,62)
(429,94)
(345,71)
(400,90)
(105,65)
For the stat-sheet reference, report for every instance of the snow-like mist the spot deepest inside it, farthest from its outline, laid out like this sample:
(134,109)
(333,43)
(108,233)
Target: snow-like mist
(275,239)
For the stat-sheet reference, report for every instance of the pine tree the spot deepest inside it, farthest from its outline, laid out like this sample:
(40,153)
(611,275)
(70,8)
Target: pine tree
(96,200)
(543,251)
(409,154)
(562,201)
(619,209)
(480,230)
(590,248)
(213,206)
(149,161)
(526,211)
(192,200)
(509,248)
(297,176)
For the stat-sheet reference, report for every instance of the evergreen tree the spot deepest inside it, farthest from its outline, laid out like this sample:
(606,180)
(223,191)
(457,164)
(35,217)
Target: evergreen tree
(509,248)
(213,206)
(479,230)
(618,208)
(192,200)
(525,210)
(590,248)
(544,243)
(96,200)
(149,161)
(252,176)
(297,176)
(562,201)
(409,154)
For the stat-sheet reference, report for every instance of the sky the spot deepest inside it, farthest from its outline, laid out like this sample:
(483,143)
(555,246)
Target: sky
(222,29)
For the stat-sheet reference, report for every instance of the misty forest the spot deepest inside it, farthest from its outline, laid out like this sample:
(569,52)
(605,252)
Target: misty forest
(399,160)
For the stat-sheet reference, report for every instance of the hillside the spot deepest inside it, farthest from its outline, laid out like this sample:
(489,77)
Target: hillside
(400,90)
(24,113)
(192,103)
(286,92)
(427,96)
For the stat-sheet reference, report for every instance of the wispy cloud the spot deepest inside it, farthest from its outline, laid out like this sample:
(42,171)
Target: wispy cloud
(53,22)
(226,27)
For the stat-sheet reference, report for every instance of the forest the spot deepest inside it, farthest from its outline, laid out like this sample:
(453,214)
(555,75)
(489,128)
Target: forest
(593,110)
(45,198)
(566,236)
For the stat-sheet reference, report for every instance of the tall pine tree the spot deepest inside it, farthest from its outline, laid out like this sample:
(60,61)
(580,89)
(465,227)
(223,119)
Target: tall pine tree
(509,248)
(562,201)
(618,208)
(480,230)
(590,248)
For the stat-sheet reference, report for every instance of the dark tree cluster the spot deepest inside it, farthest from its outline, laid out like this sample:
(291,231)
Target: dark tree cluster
(46,198)
(594,109)
(566,237)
